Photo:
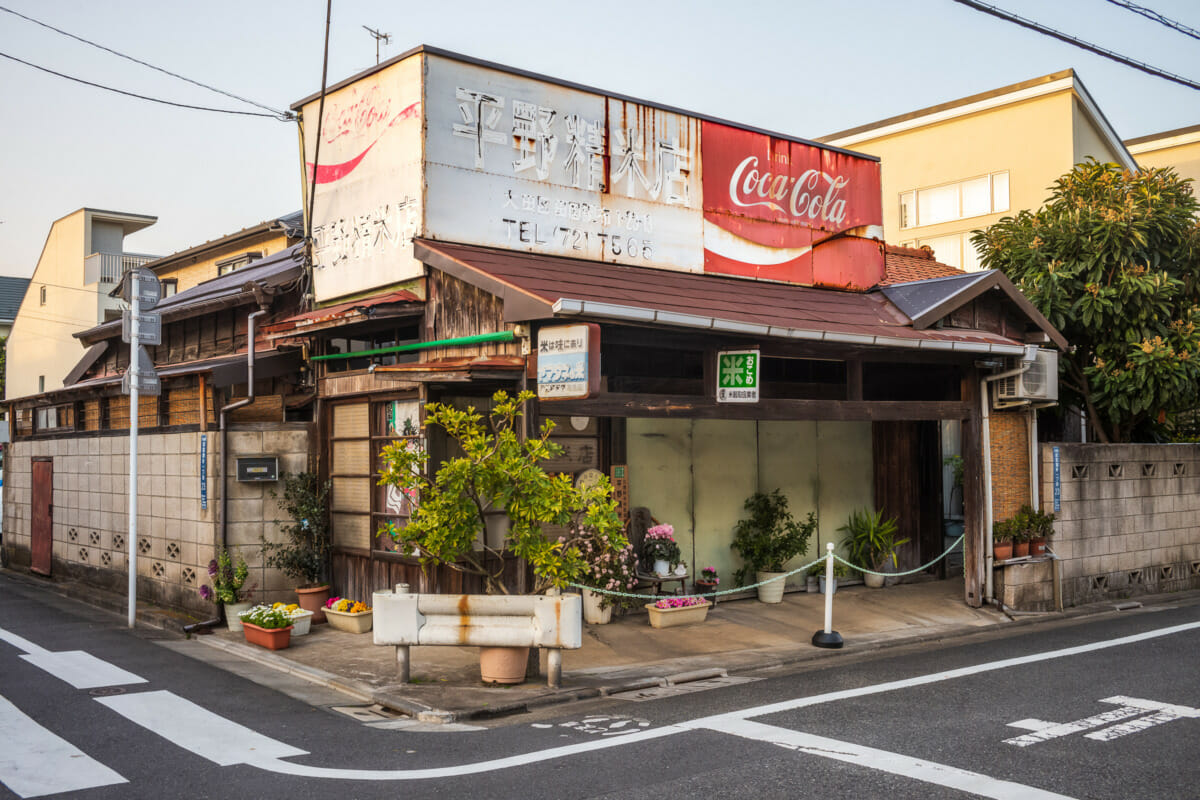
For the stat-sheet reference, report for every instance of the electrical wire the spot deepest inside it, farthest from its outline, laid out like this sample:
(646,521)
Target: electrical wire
(139,96)
(1065,37)
(285,115)
(1150,13)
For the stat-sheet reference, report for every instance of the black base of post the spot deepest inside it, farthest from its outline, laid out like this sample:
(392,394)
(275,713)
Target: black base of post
(831,640)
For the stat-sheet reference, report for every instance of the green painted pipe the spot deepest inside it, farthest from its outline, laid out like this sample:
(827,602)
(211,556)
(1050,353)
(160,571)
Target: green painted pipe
(502,336)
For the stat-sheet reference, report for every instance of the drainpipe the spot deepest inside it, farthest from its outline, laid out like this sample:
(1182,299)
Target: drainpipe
(989,587)
(1034,475)
(245,401)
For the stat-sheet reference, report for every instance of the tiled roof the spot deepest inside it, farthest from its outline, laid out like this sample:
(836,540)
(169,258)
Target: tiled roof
(12,292)
(906,264)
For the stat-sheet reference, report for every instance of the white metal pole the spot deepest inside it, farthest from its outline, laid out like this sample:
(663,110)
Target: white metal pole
(829,588)
(134,409)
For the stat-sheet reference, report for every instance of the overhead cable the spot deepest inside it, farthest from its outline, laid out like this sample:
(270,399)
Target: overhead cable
(285,115)
(1150,13)
(1065,37)
(139,96)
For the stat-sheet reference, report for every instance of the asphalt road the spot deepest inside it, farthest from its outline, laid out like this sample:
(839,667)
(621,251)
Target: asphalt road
(1103,707)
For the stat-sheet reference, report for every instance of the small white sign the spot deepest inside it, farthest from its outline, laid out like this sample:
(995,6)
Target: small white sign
(562,362)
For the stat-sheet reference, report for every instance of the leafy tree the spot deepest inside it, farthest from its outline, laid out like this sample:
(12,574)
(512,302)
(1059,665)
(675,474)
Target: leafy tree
(499,471)
(1113,261)
(305,554)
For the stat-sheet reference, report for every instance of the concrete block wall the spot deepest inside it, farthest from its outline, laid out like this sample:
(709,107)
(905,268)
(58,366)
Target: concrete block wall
(1128,523)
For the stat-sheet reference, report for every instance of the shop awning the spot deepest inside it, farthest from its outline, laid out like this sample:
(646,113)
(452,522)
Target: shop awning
(536,287)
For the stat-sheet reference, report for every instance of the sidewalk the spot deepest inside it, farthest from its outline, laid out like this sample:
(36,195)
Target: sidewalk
(626,655)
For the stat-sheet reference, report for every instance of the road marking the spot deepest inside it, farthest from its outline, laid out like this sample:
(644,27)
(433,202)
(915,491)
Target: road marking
(35,762)
(895,763)
(1053,730)
(1129,707)
(1163,712)
(197,729)
(82,670)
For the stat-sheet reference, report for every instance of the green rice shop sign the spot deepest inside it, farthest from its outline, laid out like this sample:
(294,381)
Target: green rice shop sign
(738,376)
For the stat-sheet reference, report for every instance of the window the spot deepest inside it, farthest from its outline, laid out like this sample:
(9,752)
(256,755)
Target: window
(987,194)
(42,295)
(237,262)
(41,383)
(955,249)
(169,286)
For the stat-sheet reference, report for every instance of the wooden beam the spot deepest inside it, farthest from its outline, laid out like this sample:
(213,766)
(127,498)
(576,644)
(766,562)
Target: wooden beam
(689,406)
(974,542)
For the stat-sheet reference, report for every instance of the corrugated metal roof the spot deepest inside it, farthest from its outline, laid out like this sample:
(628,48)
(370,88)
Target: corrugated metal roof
(544,287)
(12,292)
(340,314)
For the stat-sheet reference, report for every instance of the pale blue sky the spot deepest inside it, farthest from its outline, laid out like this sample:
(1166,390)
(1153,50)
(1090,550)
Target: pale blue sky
(801,68)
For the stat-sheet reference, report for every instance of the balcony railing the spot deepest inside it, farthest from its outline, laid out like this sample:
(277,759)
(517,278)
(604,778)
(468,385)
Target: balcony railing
(109,267)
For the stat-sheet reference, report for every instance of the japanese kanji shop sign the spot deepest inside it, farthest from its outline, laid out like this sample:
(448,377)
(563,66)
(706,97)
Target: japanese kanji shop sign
(568,362)
(737,376)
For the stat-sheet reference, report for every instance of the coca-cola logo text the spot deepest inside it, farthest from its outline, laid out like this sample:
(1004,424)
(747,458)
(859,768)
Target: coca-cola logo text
(813,196)
(358,116)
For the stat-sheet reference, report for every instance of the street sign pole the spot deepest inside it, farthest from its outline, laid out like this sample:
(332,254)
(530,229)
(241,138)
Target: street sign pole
(134,412)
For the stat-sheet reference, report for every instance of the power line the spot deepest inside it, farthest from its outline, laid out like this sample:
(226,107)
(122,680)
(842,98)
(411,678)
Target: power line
(285,115)
(1065,37)
(139,96)
(1150,13)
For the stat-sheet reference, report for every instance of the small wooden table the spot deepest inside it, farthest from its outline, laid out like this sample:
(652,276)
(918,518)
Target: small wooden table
(657,581)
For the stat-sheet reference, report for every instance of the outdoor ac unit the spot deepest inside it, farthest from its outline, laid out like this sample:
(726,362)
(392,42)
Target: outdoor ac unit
(1039,382)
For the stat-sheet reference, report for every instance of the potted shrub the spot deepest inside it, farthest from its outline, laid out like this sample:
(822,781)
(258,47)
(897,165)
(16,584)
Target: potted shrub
(499,472)
(301,617)
(660,549)
(267,627)
(348,615)
(767,540)
(226,590)
(304,555)
(1002,540)
(708,582)
(671,611)
(871,542)
(1040,527)
(611,566)
(839,571)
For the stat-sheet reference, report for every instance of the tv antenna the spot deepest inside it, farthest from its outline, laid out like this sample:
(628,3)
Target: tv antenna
(379,37)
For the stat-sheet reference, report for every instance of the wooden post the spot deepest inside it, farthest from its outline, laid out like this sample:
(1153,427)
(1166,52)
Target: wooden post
(974,548)
(203,402)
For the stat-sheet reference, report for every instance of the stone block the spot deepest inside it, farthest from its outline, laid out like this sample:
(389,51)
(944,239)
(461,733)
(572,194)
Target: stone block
(171,444)
(245,442)
(293,463)
(1129,561)
(158,506)
(246,510)
(244,534)
(285,442)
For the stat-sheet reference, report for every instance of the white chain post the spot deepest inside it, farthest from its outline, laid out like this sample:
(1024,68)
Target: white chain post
(403,657)
(828,638)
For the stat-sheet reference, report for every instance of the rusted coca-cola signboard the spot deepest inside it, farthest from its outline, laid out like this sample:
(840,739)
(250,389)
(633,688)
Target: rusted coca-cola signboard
(773,209)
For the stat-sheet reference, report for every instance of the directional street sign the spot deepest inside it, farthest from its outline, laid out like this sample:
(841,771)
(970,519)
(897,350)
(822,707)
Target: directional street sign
(144,283)
(149,327)
(147,378)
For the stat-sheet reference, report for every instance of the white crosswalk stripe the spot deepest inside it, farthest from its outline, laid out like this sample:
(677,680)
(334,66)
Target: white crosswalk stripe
(35,762)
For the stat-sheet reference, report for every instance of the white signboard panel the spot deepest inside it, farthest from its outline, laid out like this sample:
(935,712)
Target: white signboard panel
(368,181)
(565,361)
(516,163)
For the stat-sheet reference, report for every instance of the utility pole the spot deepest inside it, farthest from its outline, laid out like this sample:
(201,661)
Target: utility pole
(379,37)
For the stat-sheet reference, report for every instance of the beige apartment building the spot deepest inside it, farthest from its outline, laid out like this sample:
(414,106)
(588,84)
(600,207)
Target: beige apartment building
(181,271)
(953,168)
(81,262)
(1179,148)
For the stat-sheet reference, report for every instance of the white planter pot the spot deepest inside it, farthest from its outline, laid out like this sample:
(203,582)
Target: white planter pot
(770,592)
(832,588)
(302,624)
(661,567)
(873,581)
(592,613)
(231,615)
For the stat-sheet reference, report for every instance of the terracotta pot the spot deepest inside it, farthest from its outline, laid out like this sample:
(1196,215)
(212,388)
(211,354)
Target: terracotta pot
(270,638)
(704,587)
(1002,550)
(312,598)
(503,664)
(1020,549)
(670,617)
(1037,547)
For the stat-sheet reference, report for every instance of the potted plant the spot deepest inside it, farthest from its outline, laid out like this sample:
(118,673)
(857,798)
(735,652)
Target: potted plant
(1002,540)
(499,471)
(226,590)
(839,571)
(660,549)
(304,555)
(267,627)
(810,577)
(671,611)
(708,581)
(767,540)
(611,566)
(1040,527)
(348,615)
(301,617)
(871,542)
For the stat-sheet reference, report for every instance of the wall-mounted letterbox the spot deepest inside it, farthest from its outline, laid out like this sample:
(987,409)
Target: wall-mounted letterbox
(257,468)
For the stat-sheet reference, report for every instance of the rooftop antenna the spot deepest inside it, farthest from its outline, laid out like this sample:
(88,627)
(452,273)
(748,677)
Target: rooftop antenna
(379,37)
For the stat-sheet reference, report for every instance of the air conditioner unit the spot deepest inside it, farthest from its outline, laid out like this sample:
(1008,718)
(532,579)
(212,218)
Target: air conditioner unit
(1039,382)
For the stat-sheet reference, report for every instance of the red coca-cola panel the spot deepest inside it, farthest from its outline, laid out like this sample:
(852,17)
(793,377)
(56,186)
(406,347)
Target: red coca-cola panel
(769,203)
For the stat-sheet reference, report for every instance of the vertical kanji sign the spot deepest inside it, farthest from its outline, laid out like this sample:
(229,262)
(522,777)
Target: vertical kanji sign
(738,376)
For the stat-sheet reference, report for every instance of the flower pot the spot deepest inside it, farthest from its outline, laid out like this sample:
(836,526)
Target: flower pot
(670,617)
(231,615)
(312,598)
(661,567)
(1020,549)
(873,581)
(770,592)
(1037,547)
(270,638)
(351,623)
(832,586)
(1002,550)
(593,614)
(704,587)
(810,583)
(301,623)
(503,664)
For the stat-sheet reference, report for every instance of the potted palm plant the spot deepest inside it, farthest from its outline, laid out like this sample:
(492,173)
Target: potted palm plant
(304,555)
(871,542)
(1002,539)
(767,539)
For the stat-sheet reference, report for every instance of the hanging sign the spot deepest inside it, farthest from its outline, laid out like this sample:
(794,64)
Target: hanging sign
(568,362)
(147,379)
(738,376)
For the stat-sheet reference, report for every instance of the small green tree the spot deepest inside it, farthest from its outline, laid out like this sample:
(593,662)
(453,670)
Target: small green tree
(500,471)
(1113,261)
(305,554)
(770,537)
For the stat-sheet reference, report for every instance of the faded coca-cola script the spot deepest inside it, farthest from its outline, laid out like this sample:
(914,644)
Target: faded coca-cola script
(814,195)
